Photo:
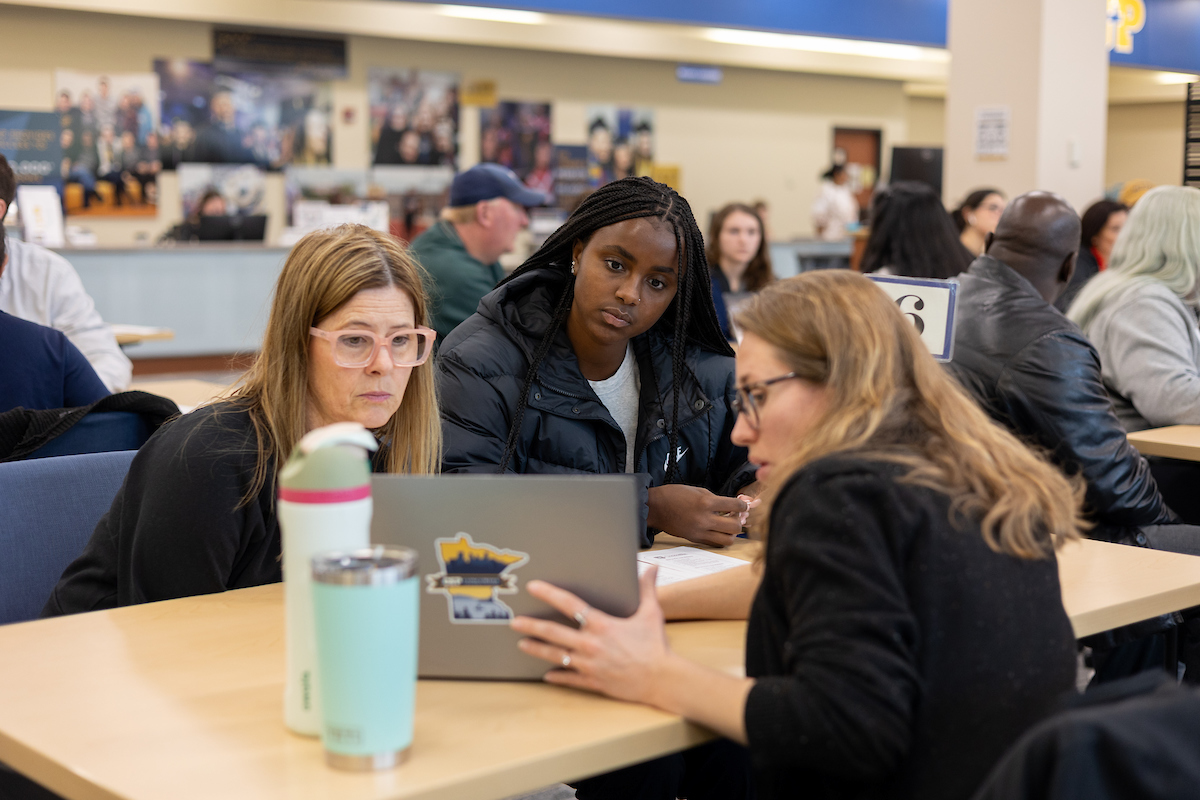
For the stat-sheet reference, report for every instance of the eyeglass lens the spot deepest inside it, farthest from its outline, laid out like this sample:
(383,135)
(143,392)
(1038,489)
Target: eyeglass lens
(356,350)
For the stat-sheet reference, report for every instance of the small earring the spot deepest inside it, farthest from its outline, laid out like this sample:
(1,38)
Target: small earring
(572,267)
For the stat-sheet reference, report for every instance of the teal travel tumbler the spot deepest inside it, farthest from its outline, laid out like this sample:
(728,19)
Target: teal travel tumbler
(365,610)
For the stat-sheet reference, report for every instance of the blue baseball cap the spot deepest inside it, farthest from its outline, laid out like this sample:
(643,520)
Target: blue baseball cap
(489,181)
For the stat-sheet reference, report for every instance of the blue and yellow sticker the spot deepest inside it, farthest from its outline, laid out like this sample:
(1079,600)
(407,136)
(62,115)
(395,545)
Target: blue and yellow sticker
(473,577)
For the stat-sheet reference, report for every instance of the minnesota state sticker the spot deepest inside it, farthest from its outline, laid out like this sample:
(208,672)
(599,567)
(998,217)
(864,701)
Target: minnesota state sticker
(473,577)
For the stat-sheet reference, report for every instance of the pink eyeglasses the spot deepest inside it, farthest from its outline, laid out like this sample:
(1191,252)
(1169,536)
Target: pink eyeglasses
(408,347)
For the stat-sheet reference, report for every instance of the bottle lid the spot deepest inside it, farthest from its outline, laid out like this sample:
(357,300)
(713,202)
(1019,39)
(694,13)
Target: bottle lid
(328,461)
(375,566)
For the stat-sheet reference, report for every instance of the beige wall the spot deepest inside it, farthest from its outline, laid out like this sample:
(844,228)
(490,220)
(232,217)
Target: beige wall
(760,133)
(1145,140)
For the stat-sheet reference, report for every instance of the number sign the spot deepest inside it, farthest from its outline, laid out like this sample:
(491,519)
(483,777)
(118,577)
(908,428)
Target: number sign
(930,305)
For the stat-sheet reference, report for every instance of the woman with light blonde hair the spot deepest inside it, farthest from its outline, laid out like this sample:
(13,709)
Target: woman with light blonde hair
(906,624)
(1140,313)
(346,341)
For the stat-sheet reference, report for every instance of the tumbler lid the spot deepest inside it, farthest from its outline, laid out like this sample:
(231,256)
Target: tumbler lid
(375,566)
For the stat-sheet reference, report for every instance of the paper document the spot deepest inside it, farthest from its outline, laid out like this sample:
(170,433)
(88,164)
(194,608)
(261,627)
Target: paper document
(684,563)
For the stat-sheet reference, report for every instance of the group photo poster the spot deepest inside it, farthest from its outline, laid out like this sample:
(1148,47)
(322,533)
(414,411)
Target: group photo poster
(414,117)
(517,135)
(267,119)
(620,143)
(108,133)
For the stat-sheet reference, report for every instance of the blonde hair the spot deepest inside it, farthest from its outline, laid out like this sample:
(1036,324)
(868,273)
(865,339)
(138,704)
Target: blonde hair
(888,400)
(325,270)
(1160,243)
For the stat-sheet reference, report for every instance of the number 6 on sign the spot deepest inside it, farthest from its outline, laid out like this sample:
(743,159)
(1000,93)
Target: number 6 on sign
(930,305)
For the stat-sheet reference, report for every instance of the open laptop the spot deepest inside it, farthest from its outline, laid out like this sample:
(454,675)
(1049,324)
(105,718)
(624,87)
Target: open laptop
(480,539)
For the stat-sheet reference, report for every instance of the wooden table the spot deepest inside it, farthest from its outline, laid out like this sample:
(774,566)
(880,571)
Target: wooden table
(133,334)
(1175,441)
(186,392)
(183,699)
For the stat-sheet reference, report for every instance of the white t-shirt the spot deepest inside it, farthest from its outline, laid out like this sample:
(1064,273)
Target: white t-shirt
(834,209)
(41,286)
(620,395)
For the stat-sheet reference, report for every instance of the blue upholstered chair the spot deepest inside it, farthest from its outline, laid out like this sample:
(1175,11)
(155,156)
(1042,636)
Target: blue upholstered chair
(48,510)
(99,432)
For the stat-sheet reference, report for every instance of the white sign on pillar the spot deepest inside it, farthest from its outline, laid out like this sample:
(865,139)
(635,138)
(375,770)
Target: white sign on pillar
(992,128)
(930,305)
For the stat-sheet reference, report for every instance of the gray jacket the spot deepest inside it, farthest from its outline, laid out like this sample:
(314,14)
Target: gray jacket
(1149,348)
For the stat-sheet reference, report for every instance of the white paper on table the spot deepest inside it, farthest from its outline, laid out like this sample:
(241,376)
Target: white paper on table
(684,563)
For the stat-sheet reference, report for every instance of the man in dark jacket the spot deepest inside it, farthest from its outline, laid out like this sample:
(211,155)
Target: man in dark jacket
(1036,373)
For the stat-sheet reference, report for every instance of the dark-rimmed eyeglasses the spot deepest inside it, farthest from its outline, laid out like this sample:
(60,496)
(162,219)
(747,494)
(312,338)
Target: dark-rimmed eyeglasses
(407,347)
(745,403)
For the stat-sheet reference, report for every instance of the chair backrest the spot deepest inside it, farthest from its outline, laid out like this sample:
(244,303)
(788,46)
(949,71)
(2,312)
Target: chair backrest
(48,510)
(99,432)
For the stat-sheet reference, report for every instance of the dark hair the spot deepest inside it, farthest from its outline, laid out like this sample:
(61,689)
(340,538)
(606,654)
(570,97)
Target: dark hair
(833,172)
(209,194)
(3,242)
(8,182)
(691,313)
(758,273)
(972,202)
(1096,217)
(912,235)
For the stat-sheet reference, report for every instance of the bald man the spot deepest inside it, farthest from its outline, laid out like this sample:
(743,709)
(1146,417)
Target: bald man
(1034,371)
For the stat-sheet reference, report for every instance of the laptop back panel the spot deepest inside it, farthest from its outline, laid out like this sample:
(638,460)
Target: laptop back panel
(480,539)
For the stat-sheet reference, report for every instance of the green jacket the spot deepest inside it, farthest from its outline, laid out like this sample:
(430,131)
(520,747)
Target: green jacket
(457,280)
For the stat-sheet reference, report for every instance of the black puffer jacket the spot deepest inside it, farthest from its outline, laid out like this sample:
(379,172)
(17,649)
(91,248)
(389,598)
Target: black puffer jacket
(1035,372)
(482,367)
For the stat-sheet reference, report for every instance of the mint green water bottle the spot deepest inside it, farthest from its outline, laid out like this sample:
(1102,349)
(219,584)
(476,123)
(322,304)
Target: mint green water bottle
(366,615)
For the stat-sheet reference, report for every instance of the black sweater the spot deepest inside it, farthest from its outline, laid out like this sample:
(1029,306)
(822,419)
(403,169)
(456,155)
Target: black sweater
(895,655)
(178,527)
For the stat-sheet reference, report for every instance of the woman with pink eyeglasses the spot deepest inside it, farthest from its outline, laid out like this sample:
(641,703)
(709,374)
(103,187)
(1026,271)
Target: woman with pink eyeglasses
(347,340)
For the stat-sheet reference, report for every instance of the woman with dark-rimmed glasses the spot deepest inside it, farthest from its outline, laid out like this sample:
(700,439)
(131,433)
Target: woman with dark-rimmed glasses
(907,625)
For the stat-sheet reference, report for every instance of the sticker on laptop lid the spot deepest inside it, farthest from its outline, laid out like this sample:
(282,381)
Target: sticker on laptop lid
(473,577)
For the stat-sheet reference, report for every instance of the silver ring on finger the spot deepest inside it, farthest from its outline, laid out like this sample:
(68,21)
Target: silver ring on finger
(566,661)
(581,615)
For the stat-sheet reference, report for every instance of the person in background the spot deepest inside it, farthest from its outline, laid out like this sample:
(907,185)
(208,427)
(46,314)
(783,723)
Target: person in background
(485,212)
(1102,223)
(220,142)
(182,145)
(39,367)
(1034,372)
(41,286)
(345,342)
(908,626)
(1140,313)
(739,260)
(912,235)
(835,211)
(977,216)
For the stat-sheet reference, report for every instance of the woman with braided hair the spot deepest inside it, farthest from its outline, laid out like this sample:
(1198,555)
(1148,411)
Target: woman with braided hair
(602,354)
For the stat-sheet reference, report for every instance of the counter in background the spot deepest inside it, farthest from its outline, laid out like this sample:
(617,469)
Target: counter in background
(792,258)
(215,297)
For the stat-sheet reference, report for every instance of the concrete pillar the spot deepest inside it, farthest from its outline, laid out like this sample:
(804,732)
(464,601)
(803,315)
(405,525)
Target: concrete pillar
(1044,64)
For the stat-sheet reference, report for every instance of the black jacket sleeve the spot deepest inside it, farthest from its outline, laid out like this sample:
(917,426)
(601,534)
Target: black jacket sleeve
(475,417)
(845,701)
(1053,387)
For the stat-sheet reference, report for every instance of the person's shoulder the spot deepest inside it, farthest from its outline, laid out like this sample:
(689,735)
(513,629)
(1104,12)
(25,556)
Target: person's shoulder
(483,346)
(28,258)
(712,369)
(218,431)
(22,335)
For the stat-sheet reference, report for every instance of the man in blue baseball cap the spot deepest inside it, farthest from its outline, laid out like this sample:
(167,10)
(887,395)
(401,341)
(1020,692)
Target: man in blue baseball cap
(486,211)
